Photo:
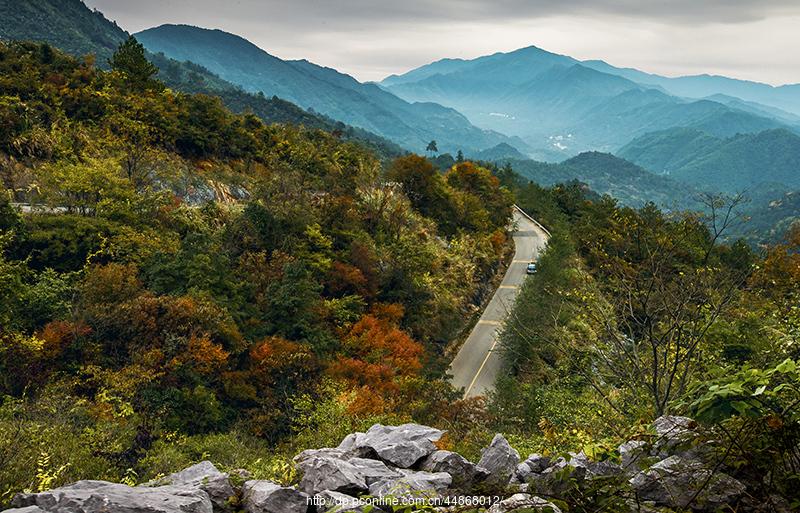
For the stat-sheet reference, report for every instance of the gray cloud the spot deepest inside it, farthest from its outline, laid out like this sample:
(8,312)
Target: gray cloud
(372,38)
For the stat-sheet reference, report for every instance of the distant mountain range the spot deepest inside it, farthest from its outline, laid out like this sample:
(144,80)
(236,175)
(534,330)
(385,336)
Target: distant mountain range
(325,90)
(562,106)
(739,163)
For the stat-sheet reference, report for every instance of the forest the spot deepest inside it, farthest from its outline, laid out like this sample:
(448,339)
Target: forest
(179,282)
(187,276)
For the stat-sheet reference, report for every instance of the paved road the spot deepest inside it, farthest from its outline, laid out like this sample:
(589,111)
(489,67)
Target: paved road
(476,365)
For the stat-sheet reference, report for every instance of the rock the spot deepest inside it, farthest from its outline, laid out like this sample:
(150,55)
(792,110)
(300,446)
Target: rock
(464,472)
(27,509)
(203,476)
(401,446)
(523,501)
(536,463)
(338,502)
(105,497)
(269,497)
(674,481)
(374,470)
(413,484)
(632,454)
(500,460)
(325,473)
(319,453)
(673,432)
(591,469)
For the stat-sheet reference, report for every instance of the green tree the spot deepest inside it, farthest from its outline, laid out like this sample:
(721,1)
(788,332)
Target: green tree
(130,60)
(432,148)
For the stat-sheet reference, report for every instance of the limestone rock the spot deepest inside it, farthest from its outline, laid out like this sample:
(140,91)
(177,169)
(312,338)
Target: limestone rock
(500,460)
(338,502)
(269,497)
(203,476)
(673,482)
(401,446)
(325,473)
(105,497)
(464,472)
(524,501)
(413,484)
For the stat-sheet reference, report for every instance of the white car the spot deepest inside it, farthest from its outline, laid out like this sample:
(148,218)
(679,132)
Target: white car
(531,269)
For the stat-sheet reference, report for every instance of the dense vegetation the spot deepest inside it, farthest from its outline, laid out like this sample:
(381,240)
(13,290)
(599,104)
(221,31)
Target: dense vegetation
(636,313)
(189,281)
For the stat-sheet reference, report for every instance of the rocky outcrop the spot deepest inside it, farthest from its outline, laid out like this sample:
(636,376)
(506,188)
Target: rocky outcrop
(500,460)
(401,446)
(269,497)
(524,502)
(203,476)
(105,497)
(413,484)
(465,474)
(679,483)
(667,469)
(326,473)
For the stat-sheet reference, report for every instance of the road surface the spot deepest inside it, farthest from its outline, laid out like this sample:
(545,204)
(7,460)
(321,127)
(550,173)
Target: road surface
(477,363)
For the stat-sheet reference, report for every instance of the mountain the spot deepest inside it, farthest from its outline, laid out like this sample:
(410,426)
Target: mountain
(785,97)
(501,152)
(733,164)
(65,24)
(72,27)
(560,105)
(324,90)
(607,174)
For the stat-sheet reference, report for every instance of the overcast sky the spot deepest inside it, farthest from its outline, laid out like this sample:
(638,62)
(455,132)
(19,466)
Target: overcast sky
(369,39)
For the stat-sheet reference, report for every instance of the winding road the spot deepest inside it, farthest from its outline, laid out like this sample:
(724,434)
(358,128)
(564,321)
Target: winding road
(478,362)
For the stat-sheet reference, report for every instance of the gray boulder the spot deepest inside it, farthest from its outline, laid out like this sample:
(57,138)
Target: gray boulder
(523,501)
(633,455)
(500,460)
(203,476)
(536,463)
(105,497)
(675,481)
(374,470)
(591,469)
(674,433)
(27,509)
(269,497)
(413,484)
(325,473)
(338,502)
(309,454)
(401,446)
(464,472)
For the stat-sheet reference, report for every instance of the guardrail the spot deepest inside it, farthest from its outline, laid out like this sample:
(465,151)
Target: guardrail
(534,221)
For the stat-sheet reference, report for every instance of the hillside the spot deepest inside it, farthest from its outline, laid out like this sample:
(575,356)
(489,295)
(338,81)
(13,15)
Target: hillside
(322,89)
(558,104)
(210,271)
(65,24)
(74,28)
(731,164)
(607,174)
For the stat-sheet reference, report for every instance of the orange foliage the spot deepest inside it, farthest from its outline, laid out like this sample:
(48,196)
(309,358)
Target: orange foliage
(58,335)
(377,353)
(201,355)
(346,279)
